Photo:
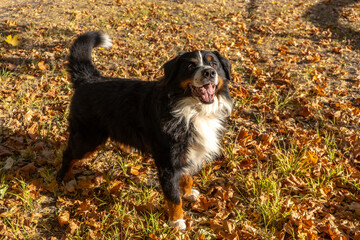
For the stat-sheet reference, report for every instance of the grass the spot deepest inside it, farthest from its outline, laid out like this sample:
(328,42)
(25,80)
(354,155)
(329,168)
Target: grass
(290,161)
(3,187)
(5,75)
(297,153)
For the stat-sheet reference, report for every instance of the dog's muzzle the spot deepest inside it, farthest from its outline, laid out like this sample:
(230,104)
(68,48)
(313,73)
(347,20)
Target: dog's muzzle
(205,83)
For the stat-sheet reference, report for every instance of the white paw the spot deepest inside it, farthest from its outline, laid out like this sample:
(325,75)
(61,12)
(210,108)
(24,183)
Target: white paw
(193,196)
(180,224)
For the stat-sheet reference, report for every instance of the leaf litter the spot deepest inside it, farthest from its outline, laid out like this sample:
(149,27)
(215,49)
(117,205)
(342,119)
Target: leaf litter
(291,159)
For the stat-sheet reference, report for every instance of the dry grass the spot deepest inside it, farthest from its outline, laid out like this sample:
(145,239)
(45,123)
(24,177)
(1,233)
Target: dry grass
(291,158)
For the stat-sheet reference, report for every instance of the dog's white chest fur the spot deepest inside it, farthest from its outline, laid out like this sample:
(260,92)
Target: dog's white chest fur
(208,124)
(206,145)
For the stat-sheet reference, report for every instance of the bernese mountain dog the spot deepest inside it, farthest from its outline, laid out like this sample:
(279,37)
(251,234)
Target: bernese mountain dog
(179,119)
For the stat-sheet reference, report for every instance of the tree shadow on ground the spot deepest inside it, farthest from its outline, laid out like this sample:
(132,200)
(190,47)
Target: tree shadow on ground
(327,15)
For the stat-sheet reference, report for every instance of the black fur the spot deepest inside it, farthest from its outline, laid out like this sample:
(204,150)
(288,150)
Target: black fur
(132,112)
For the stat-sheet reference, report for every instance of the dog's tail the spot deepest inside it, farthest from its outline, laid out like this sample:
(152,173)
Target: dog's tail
(80,65)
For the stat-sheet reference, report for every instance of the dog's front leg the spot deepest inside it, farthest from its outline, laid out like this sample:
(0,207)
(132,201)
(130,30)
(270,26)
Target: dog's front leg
(169,180)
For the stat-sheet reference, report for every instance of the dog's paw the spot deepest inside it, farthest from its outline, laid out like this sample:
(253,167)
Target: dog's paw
(193,196)
(180,224)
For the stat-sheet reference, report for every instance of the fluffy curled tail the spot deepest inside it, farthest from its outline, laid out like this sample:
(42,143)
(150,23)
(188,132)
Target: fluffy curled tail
(80,65)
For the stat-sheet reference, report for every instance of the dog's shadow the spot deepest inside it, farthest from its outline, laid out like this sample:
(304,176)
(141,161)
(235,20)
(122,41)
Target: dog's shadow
(26,169)
(29,164)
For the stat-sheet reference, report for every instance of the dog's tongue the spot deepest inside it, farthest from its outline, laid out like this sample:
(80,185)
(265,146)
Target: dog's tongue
(207,92)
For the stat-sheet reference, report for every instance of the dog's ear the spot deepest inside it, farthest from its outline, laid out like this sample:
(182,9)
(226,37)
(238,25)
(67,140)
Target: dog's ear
(225,65)
(170,68)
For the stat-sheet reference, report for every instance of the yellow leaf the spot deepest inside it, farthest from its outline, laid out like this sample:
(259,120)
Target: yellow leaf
(13,41)
(312,158)
(42,66)
(134,170)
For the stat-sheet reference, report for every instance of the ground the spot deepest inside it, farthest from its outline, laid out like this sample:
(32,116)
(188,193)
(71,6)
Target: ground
(290,167)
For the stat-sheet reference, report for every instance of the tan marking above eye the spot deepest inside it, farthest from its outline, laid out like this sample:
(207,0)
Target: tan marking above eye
(210,58)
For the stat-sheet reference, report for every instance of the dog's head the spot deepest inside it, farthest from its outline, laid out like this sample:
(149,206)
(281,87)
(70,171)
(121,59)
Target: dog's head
(201,74)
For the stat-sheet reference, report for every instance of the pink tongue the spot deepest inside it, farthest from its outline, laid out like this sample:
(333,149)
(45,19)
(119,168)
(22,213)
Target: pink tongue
(207,92)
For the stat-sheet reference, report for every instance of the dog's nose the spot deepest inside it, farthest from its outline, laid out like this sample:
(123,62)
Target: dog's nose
(209,73)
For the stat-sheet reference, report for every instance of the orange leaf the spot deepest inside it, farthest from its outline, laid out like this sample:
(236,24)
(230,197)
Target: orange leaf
(134,170)
(42,66)
(337,50)
(64,218)
(283,50)
(312,158)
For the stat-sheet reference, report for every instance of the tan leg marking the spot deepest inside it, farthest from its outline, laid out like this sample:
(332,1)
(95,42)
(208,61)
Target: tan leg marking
(175,211)
(186,183)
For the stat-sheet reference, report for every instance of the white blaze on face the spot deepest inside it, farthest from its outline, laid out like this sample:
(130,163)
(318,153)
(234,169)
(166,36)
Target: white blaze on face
(198,78)
(201,62)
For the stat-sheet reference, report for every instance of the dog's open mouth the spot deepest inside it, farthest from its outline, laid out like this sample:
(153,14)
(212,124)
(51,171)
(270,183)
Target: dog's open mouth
(205,93)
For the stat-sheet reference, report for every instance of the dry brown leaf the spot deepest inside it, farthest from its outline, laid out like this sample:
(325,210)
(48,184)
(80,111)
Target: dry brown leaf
(72,227)
(64,218)
(135,170)
(116,187)
(42,66)
(355,206)
(229,226)
(4,151)
(84,183)
(27,170)
(70,186)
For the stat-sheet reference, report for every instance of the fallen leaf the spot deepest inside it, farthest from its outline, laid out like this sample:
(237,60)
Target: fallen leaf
(70,186)
(8,163)
(12,40)
(64,218)
(135,170)
(229,226)
(27,170)
(42,66)
(116,187)
(355,206)
(72,227)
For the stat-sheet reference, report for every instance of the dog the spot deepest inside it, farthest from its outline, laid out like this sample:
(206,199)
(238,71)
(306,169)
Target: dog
(178,119)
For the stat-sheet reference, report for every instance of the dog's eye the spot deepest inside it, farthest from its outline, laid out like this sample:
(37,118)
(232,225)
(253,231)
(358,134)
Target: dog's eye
(213,64)
(191,66)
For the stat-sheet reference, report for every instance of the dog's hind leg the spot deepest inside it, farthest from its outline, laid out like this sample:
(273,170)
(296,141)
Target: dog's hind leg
(186,183)
(78,147)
